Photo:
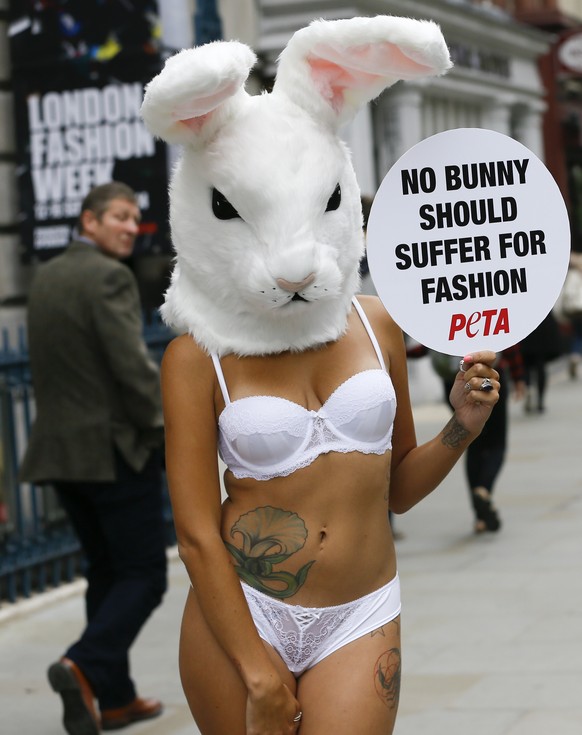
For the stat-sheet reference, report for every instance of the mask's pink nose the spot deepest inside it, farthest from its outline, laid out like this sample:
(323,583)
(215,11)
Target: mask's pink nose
(295,286)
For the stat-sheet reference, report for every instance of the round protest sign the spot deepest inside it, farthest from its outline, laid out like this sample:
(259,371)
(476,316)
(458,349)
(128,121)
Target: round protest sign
(468,241)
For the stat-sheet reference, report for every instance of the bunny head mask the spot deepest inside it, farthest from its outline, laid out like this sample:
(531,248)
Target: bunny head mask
(264,205)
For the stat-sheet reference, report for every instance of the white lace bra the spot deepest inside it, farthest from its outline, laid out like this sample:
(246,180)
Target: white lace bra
(262,437)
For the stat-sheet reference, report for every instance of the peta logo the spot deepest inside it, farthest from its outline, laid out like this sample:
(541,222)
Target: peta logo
(480,323)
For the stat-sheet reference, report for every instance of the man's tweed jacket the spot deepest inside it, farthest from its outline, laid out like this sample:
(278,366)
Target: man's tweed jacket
(96,388)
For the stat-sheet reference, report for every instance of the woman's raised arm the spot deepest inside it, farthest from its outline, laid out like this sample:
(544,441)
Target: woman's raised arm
(417,470)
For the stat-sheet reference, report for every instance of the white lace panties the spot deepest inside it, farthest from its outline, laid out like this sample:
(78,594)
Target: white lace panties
(303,636)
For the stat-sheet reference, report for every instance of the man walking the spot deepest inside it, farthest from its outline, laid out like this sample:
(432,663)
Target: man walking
(97,439)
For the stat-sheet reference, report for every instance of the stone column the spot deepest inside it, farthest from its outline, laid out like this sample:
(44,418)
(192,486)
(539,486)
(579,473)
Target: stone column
(398,125)
(13,281)
(360,139)
(497,117)
(407,102)
(530,131)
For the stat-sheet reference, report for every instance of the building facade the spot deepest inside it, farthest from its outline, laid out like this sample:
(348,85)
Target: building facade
(495,83)
(561,69)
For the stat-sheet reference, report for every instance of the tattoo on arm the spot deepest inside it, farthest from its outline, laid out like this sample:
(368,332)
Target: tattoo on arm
(454,434)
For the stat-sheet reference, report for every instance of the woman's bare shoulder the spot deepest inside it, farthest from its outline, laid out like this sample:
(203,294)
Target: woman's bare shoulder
(380,319)
(189,383)
(185,358)
(184,350)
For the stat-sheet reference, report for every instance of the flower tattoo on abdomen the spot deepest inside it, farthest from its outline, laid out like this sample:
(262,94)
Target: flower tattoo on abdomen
(269,537)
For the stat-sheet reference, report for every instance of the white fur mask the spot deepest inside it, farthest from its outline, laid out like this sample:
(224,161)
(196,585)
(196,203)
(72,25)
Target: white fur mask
(264,205)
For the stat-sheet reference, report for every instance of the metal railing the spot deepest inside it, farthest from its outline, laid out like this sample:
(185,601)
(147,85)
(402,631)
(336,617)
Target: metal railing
(38,548)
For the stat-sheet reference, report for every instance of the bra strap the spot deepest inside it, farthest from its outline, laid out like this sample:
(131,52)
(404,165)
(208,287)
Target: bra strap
(220,376)
(370,331)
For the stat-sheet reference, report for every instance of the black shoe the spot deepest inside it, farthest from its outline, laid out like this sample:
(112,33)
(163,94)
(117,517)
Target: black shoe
(484,510)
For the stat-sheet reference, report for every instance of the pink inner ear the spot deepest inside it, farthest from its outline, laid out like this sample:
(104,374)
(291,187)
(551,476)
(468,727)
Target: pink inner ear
(386,59)
(196,123)
(332,80)
(196,112)
(335,70)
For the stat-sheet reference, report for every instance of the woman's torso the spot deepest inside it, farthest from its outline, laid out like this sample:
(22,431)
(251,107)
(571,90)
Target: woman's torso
(320,534)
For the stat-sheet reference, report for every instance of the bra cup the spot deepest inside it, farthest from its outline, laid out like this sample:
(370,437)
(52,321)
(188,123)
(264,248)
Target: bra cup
(369,425)
(363,407)
(259,450)
(269,444)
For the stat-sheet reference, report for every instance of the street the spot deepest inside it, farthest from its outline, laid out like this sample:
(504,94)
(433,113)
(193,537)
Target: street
(492,624)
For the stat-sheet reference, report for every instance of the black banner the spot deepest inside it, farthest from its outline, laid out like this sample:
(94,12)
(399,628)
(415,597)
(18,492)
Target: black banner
(79,69)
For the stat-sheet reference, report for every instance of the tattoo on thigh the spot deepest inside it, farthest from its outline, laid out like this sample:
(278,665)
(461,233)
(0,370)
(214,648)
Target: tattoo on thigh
(381,630)
(269,536)
(454,434)
(387,672)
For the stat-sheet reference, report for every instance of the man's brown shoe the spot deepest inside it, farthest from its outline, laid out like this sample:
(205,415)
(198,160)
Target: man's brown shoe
(79,713)
(139,709)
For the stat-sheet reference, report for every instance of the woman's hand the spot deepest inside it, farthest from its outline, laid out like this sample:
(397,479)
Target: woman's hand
(475,390)
(275,713)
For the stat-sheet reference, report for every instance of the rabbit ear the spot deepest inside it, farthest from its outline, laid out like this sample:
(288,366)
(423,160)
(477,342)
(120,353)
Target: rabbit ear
(331,68)
(196,90)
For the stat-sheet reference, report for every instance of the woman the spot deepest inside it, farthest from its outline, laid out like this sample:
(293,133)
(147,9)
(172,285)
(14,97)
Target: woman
(292,622)
(314,537)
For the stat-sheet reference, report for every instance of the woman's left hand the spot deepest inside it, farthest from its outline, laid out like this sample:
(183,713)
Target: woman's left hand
(475,390)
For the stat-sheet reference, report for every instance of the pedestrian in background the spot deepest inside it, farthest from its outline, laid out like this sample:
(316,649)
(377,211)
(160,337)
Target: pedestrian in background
(97,439)
(3,507)
(485,456)
(540,347)
(572,310)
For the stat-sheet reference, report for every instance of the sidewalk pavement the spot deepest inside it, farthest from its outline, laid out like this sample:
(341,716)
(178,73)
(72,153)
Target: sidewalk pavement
(492,625)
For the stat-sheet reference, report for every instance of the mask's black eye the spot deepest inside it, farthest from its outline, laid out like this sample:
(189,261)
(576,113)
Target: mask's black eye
(221,207)
(334,200)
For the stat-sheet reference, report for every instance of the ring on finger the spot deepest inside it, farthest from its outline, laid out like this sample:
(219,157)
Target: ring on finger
(468,387)
(462,367)
(486,385)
